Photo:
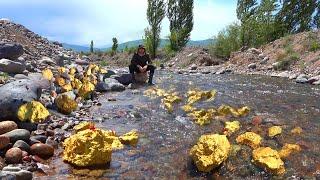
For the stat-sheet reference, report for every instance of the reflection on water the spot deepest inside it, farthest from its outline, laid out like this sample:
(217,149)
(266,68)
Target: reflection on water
(165,139)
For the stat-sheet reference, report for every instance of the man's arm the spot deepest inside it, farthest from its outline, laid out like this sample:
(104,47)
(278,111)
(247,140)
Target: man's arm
(134,60)
(148,59)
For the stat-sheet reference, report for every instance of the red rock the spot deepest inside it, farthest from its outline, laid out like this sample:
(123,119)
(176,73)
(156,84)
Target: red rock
(42,150)
(38,159)
(7,126)
(256,120)
(24,154)
(13,155)
(4,141)
(26,158)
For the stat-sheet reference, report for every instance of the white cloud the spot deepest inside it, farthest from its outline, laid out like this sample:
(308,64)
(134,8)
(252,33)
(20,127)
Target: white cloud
(78,22)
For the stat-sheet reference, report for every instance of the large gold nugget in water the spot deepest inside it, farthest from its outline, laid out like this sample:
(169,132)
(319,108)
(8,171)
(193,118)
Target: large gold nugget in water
(65,104)
(268,158)
(210,151)
(88,148)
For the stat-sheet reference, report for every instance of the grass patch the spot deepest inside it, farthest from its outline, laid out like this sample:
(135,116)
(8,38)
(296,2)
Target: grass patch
(287,58)
(104,63)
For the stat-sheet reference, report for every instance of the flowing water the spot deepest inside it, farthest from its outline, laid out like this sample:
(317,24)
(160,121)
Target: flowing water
(165,139)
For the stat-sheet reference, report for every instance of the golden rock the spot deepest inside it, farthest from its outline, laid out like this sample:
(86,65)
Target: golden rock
(188,108)
(83,126)
(72,71)
(103,71)
(231,127)
(202,117)
(268,158)
(60,81)
(76,84)
(289,149)
(224,110)
(47,74)
(274,130)
(195,96)
(130,138)
(66,87)
(250,138)
(61,70)
(65,104)
(296,131)
(87,148)
(33,111)
(210,151)
(116,143)
(86,89)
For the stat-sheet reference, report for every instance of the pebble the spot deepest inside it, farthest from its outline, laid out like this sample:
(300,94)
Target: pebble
(16,173)
(22,145)
(41,138)
(13,155)
(42,150)
(4,141)
(7,126)
(18,134)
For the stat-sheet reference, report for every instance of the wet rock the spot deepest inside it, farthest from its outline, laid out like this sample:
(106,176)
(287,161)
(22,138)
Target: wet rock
(22,145)
(13,155)
(41,138)
(7,126)
(250,138)
(124,79)
(42,150)
(18,134)
(268,158)
(108,74)
(110,85)
(16,93)
(2,164)
(33,111)
(10,50)
(9,66)
(17,173)
(302,78)
(4,141)
(252,66)
(210,151)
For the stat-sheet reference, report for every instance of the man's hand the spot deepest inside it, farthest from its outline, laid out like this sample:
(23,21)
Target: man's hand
(140,68)
(145,68)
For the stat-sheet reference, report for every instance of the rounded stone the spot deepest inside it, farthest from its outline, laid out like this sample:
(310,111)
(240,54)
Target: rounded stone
(7,126)
(42,150)
(4,141)
(13,155)
(22,145)
(18,134)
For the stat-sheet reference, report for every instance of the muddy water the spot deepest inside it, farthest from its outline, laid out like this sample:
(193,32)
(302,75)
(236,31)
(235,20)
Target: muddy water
(165,139)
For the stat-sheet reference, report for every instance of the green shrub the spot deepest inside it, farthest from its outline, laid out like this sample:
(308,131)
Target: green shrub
(104,63)
(315,46)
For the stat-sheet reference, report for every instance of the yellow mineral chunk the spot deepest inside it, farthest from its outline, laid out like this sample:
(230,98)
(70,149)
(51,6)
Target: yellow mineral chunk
(188,108)
(265,157)
(60,81)
(103,71)
(154,92)
(296,130)
(86,89)
(72,71)
(130,138)
(47,74)
(202,117)
(83,126)
(66,87)
(288,149)
(195,96)
(243,111)
(168,106)
(210,151)
(87,148)
(250,138)
(231,127)
(65,104)
(33,111)
(274,130)
(76,84)
(116,143)
(61,69)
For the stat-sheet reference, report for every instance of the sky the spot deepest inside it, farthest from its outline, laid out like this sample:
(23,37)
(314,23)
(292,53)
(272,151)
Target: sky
(80,21)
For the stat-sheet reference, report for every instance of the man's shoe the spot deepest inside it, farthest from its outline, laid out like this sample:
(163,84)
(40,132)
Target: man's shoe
(151,83)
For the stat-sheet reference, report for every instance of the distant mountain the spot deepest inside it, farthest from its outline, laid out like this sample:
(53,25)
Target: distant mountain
(135,43)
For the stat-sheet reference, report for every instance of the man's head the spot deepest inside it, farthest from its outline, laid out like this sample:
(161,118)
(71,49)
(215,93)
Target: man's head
(141,50)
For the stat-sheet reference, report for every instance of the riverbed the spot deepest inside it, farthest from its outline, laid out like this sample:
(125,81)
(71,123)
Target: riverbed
(166,138)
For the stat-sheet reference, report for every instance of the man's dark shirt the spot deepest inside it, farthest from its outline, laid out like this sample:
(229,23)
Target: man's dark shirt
(140,60)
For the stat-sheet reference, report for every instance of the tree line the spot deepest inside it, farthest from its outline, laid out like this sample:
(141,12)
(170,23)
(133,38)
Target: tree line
(266,21)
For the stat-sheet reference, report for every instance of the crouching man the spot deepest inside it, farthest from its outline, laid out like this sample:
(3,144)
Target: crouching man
(141,63)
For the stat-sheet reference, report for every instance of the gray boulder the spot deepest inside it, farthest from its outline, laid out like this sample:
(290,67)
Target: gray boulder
(16,93)
(109,74)
(124,79)
(22,145)
(9,66)
(15,173)
(302,78)
(110,85)
(10,50)
(252,66)
(18,134)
